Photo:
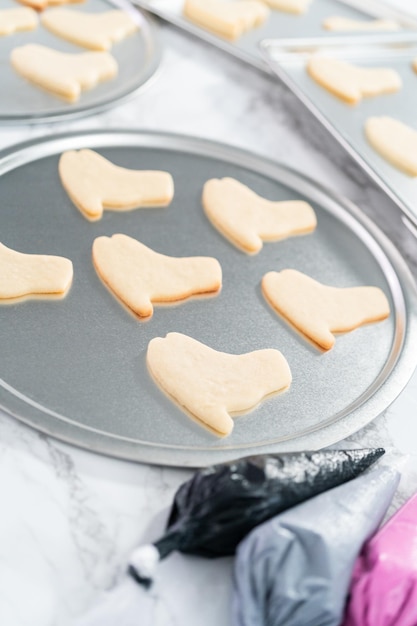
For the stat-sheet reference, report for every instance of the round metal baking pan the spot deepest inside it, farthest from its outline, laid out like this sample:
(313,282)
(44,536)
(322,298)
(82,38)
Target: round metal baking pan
(138,58)
(75,368)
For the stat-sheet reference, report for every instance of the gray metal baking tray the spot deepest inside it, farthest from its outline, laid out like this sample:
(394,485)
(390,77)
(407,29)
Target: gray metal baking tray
(346,123)
(279,24)
(138,58)
(75,368)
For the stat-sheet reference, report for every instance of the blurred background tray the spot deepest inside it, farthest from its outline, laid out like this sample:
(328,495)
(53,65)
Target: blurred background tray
(138,57)
(346,123)
(279,24)
(76,369)
(261,47)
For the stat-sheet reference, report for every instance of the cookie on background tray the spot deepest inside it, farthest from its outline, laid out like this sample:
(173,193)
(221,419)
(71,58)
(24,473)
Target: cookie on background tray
(227,19)
(18,19)
(351,82)
(289,6)
(96,31)
(40,5)
(61,74)
(339,23)
(394,141)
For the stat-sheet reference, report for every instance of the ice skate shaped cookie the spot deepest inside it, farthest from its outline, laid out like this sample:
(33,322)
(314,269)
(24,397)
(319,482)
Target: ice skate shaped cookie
(14,20)
(213,385)
(350,82)
(317,310)
(93,183)
(339,23)
(64,75)
(96,31)
(246,219)
(289,6)
(139,276)
(40,5)
(228,19)
(394,141)
(32,274)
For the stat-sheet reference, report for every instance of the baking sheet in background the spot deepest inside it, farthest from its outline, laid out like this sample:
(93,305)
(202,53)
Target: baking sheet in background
(346,122)
(138,57)
(76,368)
(279,23)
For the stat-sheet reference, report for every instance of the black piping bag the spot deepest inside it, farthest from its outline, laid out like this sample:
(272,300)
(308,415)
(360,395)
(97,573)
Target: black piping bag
(221,504)
(295,569)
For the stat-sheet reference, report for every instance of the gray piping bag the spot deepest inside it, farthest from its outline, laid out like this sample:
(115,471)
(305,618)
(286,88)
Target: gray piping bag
(295,569)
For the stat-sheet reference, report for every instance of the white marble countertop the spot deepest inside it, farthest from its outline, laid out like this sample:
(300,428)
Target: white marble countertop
(69,518)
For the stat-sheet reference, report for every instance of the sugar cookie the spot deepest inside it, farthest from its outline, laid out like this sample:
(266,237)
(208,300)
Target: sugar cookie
(351,82)
(395,142)
(93,183)
(97,31)
(64,75)
(13,20)
(212,385)
(346,24)
(30,274)
(289,6)
(228,19)
(139,276)
(247,219)
(40,5)
(317,310)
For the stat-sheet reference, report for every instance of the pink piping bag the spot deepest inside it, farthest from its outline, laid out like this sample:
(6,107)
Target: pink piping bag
(384,584)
